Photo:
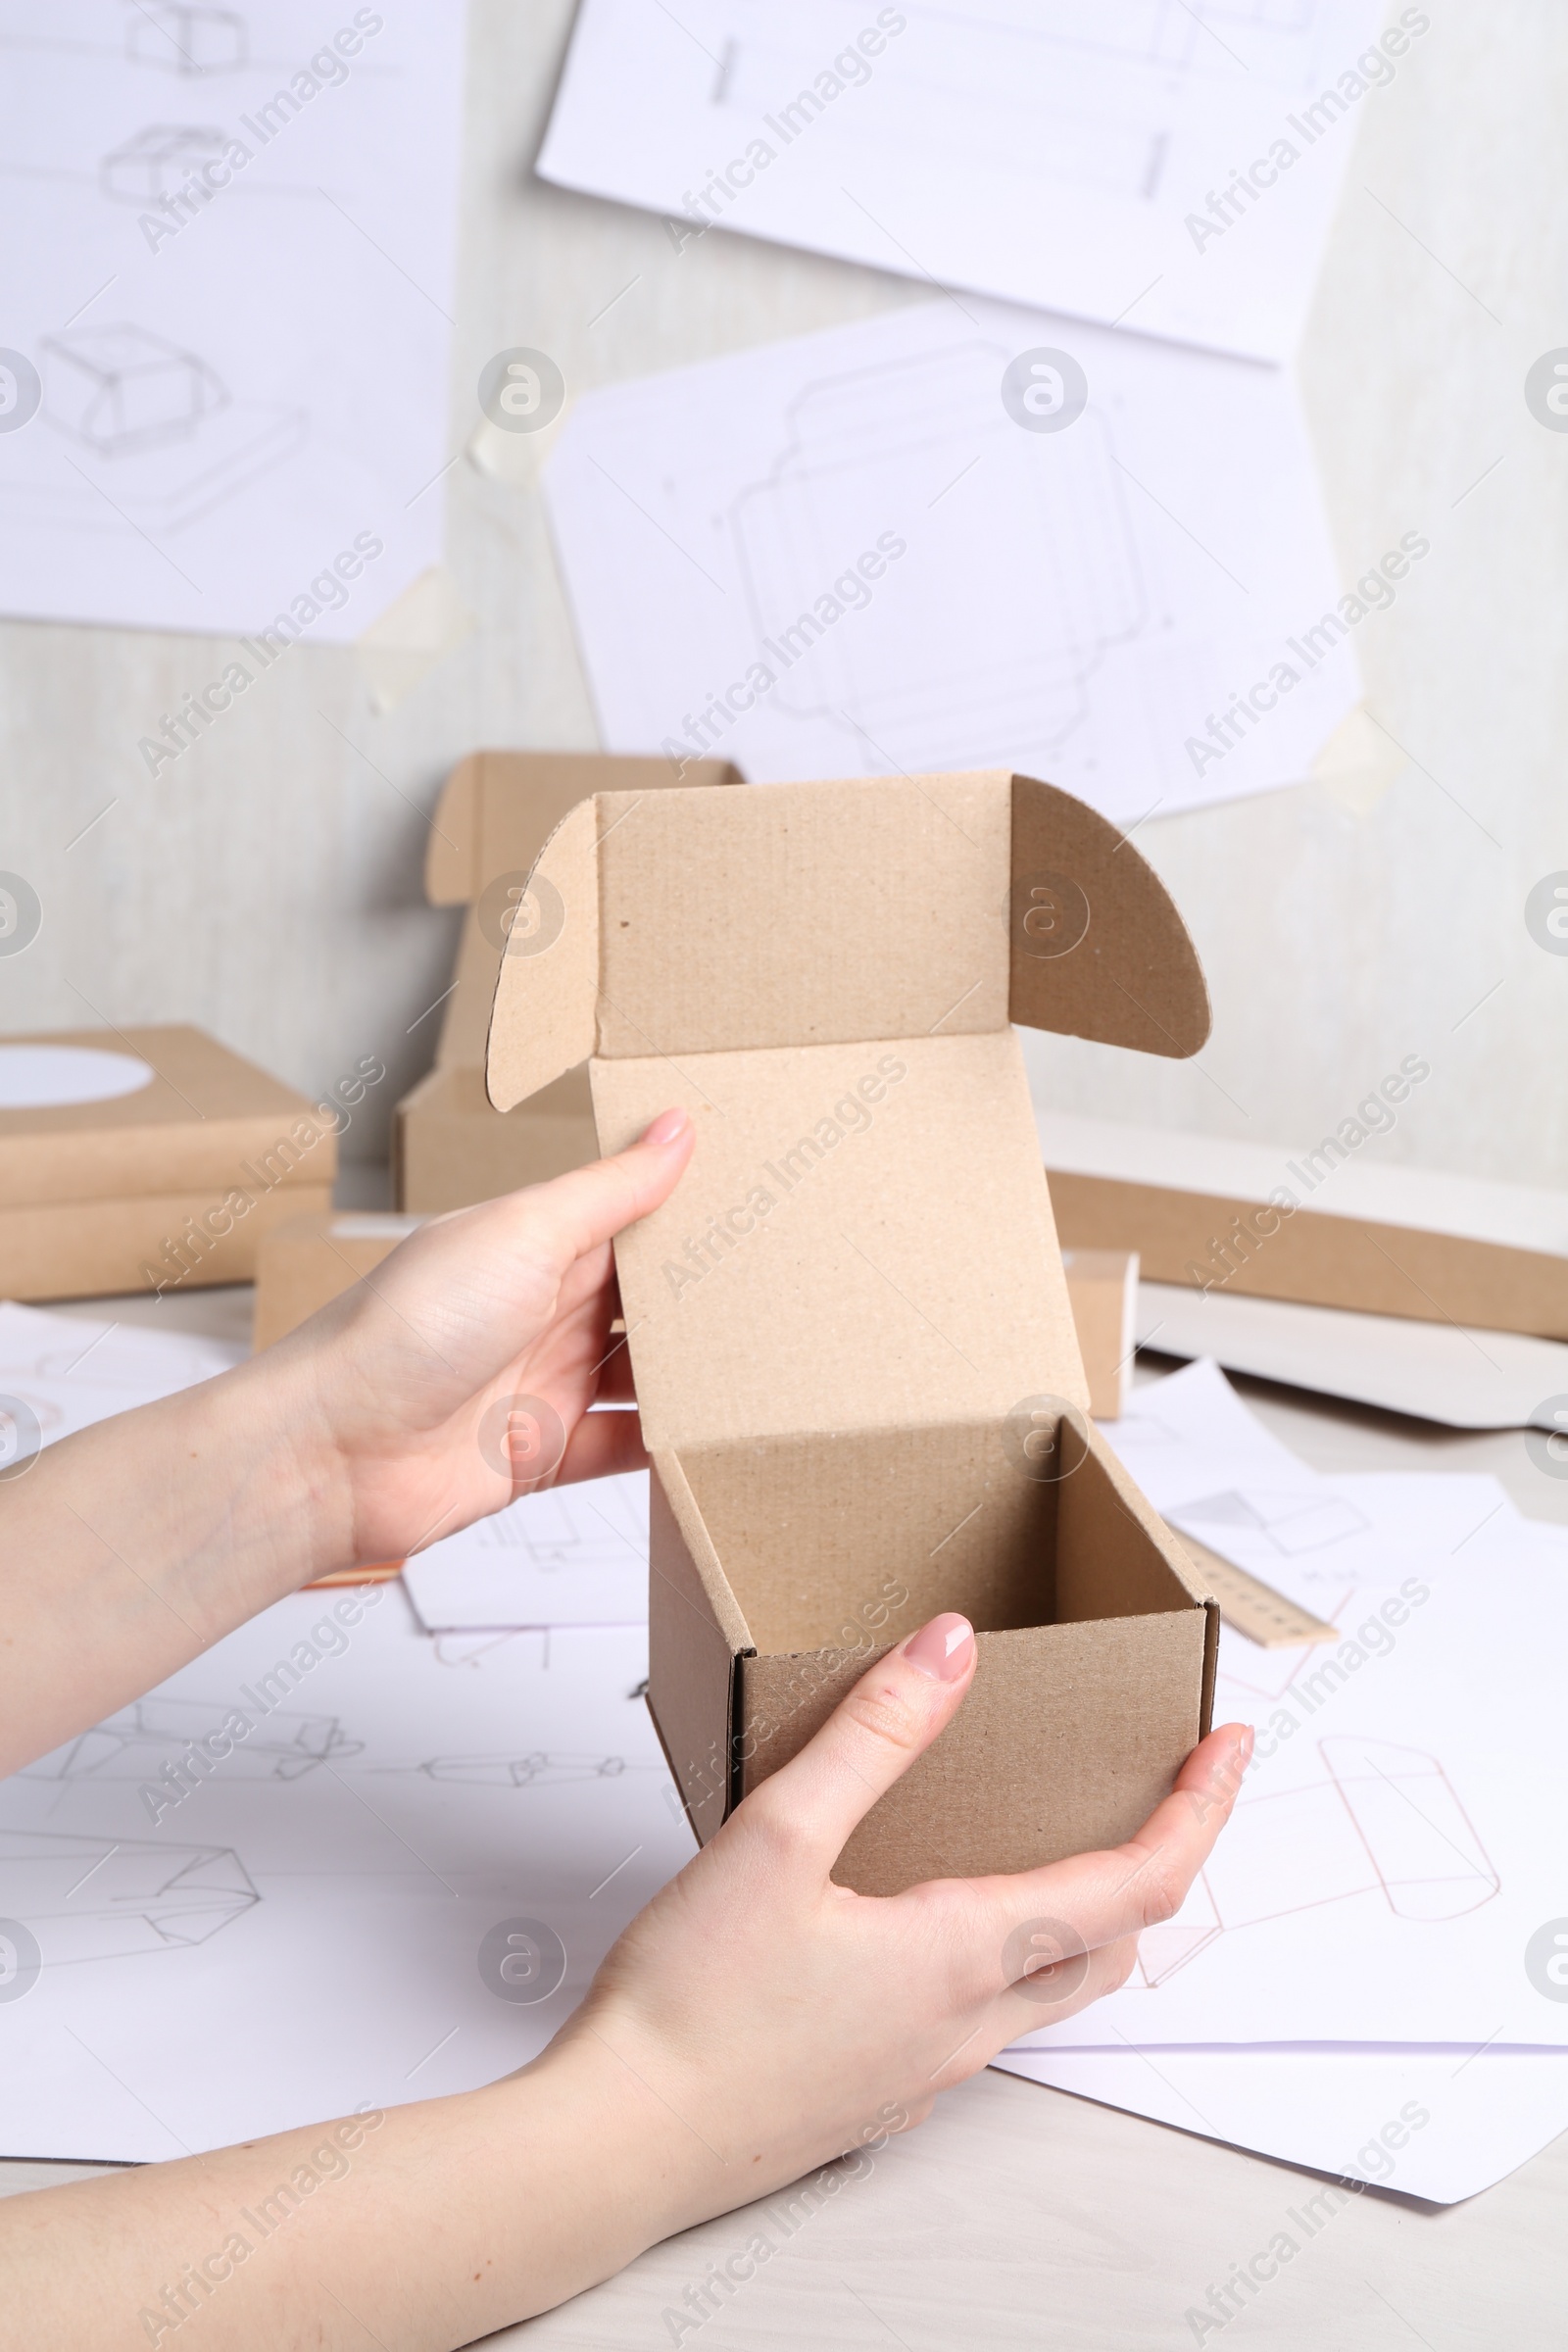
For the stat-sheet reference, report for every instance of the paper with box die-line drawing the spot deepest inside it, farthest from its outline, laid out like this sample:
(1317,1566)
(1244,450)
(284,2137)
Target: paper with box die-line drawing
(1171,162)
(864,553)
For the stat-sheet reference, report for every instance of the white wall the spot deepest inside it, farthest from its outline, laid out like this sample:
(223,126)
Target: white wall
(269,886)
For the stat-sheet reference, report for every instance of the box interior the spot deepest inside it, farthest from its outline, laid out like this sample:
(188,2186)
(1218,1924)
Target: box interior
(818,1529)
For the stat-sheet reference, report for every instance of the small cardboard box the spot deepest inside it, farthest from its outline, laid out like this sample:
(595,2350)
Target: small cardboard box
(1326,1225)
(450,1146)
(306,1262)
(168,1184)
(857,1366)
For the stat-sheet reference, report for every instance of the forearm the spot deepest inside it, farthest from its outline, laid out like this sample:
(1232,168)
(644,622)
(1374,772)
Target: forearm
(424,2228)
(128,1549)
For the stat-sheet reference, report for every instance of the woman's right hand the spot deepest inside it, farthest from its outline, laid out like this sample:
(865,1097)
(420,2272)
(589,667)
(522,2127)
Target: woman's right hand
(776,2020)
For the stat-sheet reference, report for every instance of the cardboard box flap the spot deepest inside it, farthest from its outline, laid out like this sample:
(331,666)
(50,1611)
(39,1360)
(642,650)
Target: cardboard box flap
(864,1239)
(1099,950)
(830,914)
(543,1022)
(498,808)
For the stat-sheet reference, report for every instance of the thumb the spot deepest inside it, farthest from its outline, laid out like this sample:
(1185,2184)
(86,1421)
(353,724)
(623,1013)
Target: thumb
(869,1741)
(589,1205)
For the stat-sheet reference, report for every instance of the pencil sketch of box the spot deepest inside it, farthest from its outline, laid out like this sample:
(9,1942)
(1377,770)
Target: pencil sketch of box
(183,38)
(156,161)
(156,439)
(119,388)
(101,1898)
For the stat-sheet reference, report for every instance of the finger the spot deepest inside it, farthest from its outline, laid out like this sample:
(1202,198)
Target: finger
(869,1741)
(590,1205)
(1090,1902)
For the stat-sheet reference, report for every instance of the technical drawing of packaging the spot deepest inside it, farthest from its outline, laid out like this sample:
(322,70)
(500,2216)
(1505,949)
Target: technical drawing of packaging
(840,483)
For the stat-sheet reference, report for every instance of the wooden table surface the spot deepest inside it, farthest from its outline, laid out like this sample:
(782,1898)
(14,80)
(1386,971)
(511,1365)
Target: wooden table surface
(1023,2215)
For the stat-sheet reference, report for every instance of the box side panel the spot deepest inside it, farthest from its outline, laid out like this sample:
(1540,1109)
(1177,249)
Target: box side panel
(454,1148)
(694,1632)
(856,1537)
(1069,1737)
(805,914)
(1115,1557)
(1374,1268)
(87,1248)
(863,1238)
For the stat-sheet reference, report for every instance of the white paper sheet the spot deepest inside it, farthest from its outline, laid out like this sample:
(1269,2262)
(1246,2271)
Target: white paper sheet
(241,377)
(59,1373)
(1397,1841)
(1066,153)
(1467,1378)
(577,1555)
(1215,1472)
(1485,2112)
(304,1931)
(843,555)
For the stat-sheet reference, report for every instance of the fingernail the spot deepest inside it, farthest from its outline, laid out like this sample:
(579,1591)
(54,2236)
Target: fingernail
(1247,1738)
(668,1128)
(942,1648)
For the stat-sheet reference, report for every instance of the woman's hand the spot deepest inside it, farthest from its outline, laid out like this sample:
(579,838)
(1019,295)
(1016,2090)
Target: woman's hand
(456,1374)
(461,1372)
(754,2023)
(785,2019)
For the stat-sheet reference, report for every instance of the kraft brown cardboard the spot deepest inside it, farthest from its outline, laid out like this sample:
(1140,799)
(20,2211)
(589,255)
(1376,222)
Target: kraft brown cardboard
(172,1185)
(849,1327)
(450,1147)
(1103,1288)
(307,1261)
(1320,1225)
(495,813)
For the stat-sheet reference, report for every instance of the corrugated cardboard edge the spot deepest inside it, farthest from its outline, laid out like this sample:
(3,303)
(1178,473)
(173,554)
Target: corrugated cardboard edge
(696,1635)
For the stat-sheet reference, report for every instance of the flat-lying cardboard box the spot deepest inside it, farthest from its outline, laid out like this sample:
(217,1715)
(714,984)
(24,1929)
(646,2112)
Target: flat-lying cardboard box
(450,1146)
(1325,1225)
(850,1329)
(168,1185)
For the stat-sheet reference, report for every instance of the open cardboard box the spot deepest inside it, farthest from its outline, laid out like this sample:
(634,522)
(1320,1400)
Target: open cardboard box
(856,1362)
(495,811)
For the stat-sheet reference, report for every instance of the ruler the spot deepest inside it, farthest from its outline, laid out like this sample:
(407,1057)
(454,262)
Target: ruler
(1252,1607)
